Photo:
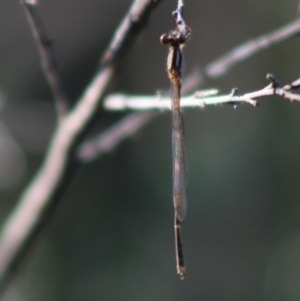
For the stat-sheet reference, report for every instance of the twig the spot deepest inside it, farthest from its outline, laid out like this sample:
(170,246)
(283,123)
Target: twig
(120,102)
(49,63)
(294,85)
(131,27)
(109,139)
(38,201)
(222,65)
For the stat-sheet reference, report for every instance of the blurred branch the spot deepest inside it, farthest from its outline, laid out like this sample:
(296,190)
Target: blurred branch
(240,53)
(112,137)
(42,195)
(49,63)
(12,169)
(221,66)
(128,31)
(129,125)
(294,85)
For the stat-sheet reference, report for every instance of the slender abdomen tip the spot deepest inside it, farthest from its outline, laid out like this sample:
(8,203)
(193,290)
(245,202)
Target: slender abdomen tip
(181,273)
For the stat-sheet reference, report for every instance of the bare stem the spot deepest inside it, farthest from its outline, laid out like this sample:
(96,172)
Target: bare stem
(120,102)
(48,59)
(112,137)
(240,53)
(221,66)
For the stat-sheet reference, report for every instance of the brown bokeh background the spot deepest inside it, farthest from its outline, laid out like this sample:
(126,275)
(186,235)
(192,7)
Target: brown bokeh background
(111,238)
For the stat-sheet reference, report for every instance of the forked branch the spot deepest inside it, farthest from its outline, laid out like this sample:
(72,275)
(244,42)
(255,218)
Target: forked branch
(42,195)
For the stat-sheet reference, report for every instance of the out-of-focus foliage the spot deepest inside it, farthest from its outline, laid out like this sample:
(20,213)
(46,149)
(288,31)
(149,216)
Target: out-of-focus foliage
(112,236)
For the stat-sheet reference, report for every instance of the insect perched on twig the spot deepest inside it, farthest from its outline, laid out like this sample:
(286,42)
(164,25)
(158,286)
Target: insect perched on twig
(176,39)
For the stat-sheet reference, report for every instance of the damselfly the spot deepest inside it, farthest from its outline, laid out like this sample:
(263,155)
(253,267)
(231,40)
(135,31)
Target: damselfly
(176,39)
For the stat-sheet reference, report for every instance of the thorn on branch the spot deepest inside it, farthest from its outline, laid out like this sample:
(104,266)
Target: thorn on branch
(234,91)
(285,91)
(274,81)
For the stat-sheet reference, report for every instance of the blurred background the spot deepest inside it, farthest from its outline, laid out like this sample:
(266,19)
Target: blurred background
(111,238)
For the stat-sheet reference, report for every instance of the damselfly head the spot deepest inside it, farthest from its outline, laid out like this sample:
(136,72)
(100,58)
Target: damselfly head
(173,38)
(165,39)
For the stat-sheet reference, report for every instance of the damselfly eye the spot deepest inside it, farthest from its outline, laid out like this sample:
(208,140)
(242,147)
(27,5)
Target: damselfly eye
(164,39)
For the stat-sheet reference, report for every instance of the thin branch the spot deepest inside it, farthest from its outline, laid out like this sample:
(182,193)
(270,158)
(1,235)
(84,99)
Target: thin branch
(221,66)
(49,63)
(120,102)
(240,53)
(294,85)
(129,31)
(42,195)
(112,137)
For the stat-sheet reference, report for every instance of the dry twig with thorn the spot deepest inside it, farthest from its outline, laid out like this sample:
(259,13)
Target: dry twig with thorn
(119,102)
